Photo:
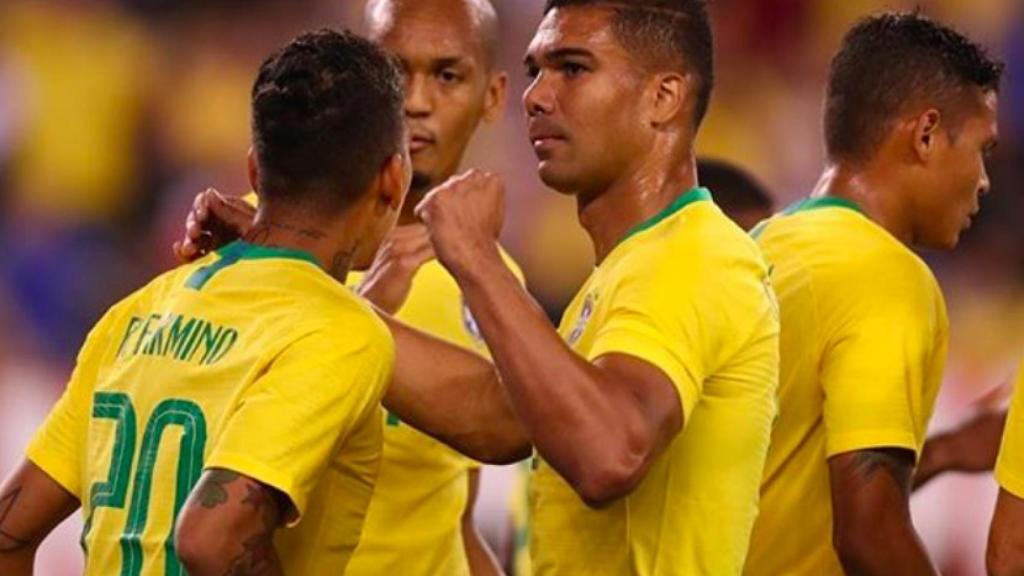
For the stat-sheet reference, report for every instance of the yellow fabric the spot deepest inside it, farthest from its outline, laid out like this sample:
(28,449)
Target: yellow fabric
(1010,466)
(691,296)
(270,368)
(414,523)
(519,510)
(863,345)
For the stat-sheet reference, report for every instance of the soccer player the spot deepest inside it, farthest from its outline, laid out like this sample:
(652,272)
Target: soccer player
(909,118)
(651,408)
(737,193)
(420,519)
(241,394)
(1006,539)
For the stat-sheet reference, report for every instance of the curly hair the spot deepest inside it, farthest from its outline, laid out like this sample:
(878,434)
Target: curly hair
(327,113)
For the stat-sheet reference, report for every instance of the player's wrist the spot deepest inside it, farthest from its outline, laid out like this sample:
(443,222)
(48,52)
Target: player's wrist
(475,262)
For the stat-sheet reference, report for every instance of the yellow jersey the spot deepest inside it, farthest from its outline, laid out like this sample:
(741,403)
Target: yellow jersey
(1010,466)
(863,346)
(689,293)
(414,525)
(252,359)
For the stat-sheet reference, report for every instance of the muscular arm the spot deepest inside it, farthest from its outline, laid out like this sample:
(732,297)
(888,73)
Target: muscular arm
(1006,539)
(871,529)
(481,560)
(972,447)
(31,505)
(453,395)
(227,526)
(600,424)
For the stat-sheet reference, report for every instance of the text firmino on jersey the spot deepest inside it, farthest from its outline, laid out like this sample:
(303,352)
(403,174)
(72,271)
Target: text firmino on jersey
(177,337)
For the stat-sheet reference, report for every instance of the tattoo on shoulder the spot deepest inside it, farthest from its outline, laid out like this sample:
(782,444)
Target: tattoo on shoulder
(896,462)
(9,542)
(213,491)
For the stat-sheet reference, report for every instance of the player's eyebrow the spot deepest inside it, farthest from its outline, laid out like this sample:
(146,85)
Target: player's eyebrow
(448,61)
(559,54)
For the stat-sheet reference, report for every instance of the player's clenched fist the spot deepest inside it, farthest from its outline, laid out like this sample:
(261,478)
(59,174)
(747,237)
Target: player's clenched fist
(464,217)
(389,279)
(213,221)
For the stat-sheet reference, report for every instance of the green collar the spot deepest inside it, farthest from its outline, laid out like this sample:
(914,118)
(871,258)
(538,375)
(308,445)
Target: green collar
(696,194)
(240,250)
(805,205)
(823,202)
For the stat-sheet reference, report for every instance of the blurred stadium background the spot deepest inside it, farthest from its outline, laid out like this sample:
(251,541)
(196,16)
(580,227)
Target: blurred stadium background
(114,113)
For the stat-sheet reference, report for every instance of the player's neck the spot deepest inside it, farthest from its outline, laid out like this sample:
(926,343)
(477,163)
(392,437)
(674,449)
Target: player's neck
(329,244)
(874,191)
(637,196)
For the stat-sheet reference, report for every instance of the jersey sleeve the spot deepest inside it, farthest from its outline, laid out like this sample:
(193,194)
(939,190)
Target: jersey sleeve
(58,446)
(1010,465)
(653,316)
(312,396)
(884,357)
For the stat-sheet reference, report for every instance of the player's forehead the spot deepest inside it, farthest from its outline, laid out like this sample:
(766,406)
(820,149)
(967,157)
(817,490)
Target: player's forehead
(982,120)
(425,31)
(577,28)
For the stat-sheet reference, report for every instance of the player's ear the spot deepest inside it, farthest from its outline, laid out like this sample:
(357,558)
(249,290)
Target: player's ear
(496,98)
(394,179)
(928,128)
(254,171)
(667,97)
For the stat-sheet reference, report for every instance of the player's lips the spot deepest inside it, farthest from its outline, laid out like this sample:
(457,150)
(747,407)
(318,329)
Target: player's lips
(545,135)
(420,141)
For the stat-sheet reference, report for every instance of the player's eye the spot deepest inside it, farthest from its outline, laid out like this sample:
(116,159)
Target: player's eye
(449,76)
(532,71)
(572,69)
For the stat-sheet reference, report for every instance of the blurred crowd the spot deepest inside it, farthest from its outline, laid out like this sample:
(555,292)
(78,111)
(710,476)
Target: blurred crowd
(114,113)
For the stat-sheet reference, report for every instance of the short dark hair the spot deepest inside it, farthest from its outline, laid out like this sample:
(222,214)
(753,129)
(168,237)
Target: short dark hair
(889,61)
(327,114)
(660,31)
(734,188)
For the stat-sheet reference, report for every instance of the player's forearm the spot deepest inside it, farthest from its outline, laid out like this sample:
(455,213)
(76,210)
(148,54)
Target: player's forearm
(31,505)
(580,425)
(482,561)
(16,562)
(1005,555)
(454,396)
(887,551)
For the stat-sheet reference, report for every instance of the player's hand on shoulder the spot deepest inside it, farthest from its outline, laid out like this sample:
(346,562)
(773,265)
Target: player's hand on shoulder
(464,215)
(389,279)
(214,221)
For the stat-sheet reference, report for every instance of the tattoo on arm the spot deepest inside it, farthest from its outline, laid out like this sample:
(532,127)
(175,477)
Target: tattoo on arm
(213,492)
(258,555)
(897,463)
(9,543)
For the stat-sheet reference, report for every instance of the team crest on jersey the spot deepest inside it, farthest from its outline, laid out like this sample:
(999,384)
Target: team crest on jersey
(583,320)
(470,324)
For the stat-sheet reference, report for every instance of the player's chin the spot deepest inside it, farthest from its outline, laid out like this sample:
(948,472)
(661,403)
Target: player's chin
(557,176)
